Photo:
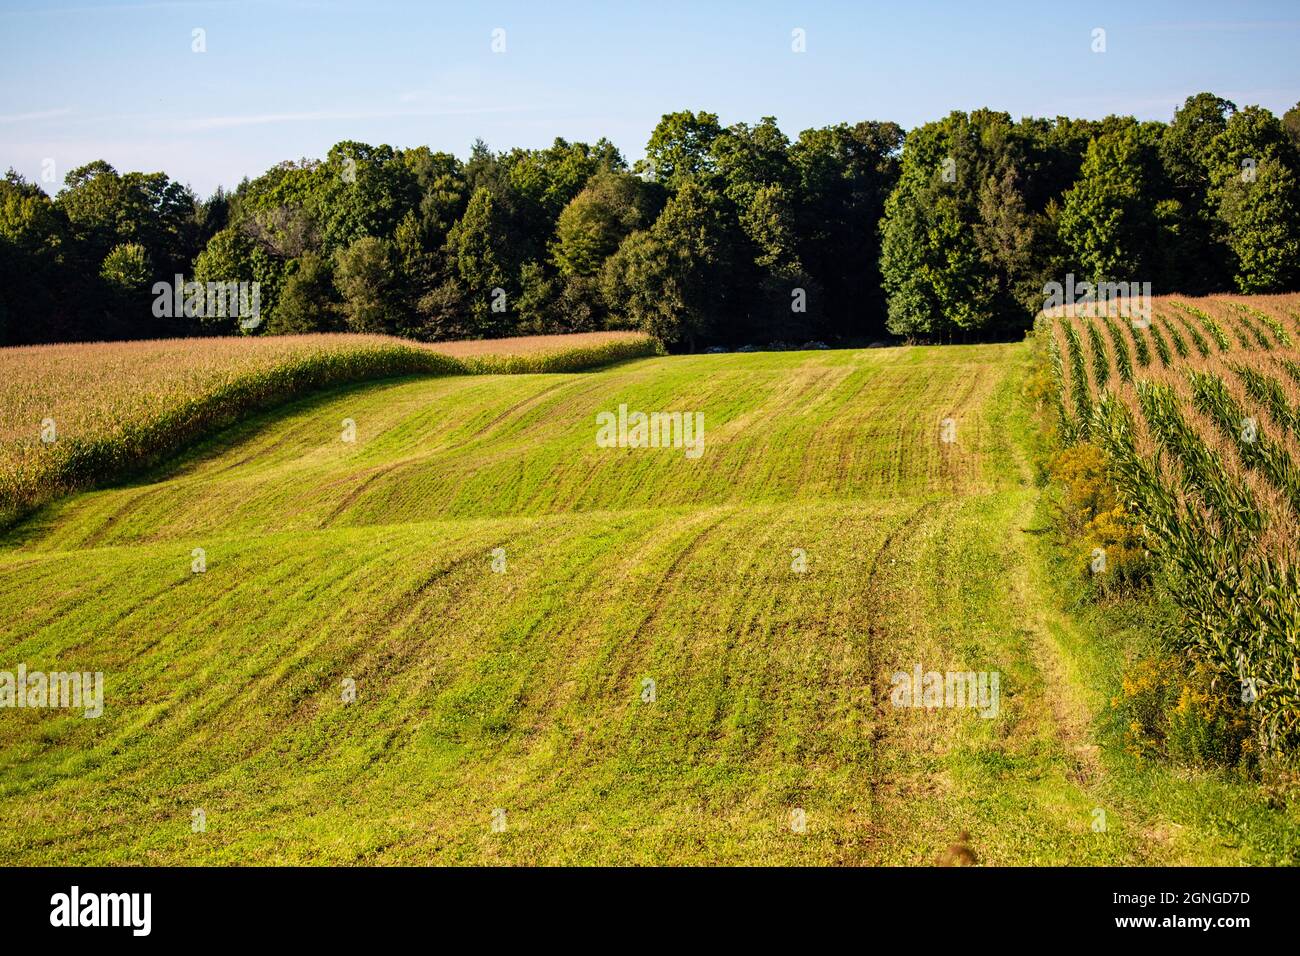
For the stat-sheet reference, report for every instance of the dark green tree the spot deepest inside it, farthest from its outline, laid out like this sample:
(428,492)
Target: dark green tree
(959,233)
(672,279)
(844,174)
(308,300)
(1252,166)
(681,148)
(126,268)
(1291,123)
(485,260)
(1106,217)
(231,256)
(595,221)
(366,276)
(43,295)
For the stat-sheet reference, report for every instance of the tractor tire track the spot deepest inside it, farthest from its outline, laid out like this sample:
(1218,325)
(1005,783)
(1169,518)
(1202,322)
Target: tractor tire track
(876,633)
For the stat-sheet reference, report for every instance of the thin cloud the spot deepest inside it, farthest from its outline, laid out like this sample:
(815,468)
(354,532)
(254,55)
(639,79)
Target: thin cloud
(23,117)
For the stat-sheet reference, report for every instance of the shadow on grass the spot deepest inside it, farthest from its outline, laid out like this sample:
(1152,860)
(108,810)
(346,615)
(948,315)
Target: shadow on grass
(175,462)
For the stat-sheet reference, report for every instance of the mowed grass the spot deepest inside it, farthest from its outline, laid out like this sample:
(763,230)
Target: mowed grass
(526,691)
(778,427)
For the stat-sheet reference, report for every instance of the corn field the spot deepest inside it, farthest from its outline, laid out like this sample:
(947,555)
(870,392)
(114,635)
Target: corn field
(1197,410)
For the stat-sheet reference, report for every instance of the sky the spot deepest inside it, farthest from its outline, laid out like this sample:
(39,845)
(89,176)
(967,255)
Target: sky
(121,80)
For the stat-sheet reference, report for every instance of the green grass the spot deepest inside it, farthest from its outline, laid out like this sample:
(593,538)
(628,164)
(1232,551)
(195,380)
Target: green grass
(1209,816)
(523,690)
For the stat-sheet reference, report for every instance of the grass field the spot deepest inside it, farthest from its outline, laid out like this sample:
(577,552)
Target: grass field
(524,688)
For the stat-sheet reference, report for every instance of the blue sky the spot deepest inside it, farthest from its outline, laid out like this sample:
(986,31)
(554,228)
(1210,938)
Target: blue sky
(283,79)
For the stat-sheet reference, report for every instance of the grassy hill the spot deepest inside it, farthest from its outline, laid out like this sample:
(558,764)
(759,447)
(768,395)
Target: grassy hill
(372,562)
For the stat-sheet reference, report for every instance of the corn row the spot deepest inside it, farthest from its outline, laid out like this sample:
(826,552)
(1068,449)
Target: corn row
(1162,347)
(1211,326)
(1100,363)
(1269,392)
(1243,318)
(1140,346)
(1230,500)
(1123,361)
(1180,343)
(1257,449)
(1079,379)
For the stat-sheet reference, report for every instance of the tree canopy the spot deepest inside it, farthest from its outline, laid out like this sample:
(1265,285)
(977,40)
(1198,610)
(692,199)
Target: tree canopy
(719,235)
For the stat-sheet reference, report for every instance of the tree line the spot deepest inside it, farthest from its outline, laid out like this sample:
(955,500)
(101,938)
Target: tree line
(719,236)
